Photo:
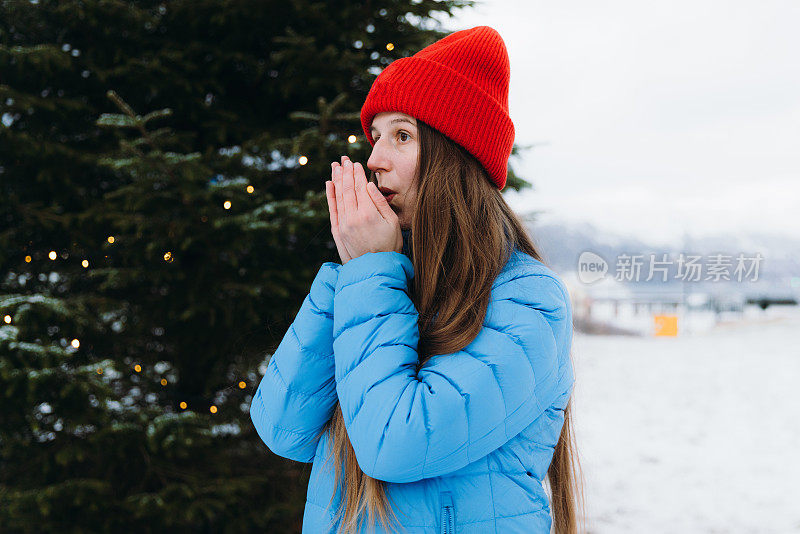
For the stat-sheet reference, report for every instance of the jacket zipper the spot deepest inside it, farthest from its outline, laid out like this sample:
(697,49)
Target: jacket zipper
(448,513)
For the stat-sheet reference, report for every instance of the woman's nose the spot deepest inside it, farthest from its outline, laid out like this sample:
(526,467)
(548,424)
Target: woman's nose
(377,160)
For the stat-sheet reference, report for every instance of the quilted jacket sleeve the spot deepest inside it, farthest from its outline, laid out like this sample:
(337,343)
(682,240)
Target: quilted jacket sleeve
(297,394)
(406,425)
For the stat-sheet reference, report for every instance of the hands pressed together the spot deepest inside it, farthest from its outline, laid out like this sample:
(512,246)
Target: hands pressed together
(361,219)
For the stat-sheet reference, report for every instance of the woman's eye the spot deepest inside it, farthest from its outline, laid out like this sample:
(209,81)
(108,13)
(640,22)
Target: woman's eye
(376,137)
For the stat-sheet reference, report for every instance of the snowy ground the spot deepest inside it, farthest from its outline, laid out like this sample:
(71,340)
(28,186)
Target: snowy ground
(697,433)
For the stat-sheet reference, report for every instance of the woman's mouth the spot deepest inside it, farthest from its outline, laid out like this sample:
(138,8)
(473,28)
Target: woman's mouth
(388,194)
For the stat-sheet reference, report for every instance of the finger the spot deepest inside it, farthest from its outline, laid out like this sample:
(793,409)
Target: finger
(340,248)
(337,185)
(380,202)
(335,178)
(334,167)
(360,179)
(349,190)
(330,192)
(340,168)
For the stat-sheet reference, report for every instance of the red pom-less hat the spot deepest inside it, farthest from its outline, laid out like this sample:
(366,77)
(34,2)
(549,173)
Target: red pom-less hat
(458,85)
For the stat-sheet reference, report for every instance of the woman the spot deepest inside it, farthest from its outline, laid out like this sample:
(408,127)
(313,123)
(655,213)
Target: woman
(428,376)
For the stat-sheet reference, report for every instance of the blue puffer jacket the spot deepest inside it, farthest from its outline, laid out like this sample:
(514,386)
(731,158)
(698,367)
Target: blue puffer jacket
(464,443)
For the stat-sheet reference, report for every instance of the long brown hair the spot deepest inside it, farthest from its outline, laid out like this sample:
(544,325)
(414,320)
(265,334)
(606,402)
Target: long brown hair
(457,253)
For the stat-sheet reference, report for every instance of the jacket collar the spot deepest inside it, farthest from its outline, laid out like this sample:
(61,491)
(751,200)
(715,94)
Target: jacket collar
(406,242)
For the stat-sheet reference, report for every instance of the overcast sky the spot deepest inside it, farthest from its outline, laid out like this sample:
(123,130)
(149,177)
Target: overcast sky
(658,117)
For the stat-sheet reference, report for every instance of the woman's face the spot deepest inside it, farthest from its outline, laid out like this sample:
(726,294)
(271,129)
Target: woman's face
(394,160)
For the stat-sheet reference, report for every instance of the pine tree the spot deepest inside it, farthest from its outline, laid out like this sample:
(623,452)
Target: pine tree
(162,169)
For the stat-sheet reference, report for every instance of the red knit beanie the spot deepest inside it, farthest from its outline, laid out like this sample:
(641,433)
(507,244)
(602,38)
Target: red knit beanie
(458,85)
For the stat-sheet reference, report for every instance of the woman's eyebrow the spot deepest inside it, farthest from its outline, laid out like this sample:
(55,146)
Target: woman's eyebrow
(399,119)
